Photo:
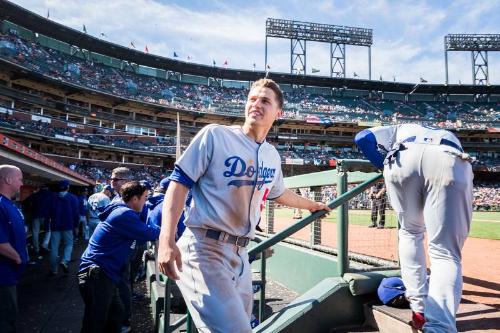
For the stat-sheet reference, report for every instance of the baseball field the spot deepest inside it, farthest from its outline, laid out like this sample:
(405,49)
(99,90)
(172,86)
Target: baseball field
(485,225)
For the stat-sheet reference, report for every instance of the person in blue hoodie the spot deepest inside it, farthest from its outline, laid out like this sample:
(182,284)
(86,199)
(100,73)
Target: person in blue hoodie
(156,207)
(64,216)
(104,261)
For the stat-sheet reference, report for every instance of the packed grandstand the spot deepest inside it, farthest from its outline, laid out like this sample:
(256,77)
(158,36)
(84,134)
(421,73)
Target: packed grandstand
(94,111)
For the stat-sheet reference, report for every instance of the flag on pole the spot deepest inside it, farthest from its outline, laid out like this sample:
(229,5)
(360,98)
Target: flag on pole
(268,67)
(48,13)
(225,63)
(355,75)
(254,66)
(422,80)
(178,144)
(314,70)
(381,78)
(84,29)
(189,57)
(103,35)
(175,55)
(132,45)
(146,49)
(213,62)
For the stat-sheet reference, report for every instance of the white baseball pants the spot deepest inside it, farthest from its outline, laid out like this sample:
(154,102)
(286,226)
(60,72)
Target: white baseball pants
(216,283)
(430,189)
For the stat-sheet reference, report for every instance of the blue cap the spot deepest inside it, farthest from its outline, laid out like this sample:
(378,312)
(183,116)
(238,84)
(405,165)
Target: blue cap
(63,184)
(390,288)
(146,184)
(164,183)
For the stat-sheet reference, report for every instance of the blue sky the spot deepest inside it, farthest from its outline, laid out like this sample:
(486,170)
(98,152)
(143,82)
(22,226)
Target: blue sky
(408,35)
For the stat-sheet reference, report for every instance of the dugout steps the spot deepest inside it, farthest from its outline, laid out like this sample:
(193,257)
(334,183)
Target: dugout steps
(335,304)
(343,305)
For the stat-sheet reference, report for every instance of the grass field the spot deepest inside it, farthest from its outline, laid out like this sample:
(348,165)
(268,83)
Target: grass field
(484,225)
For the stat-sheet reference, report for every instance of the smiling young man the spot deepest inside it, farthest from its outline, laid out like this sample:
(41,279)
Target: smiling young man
(232,171)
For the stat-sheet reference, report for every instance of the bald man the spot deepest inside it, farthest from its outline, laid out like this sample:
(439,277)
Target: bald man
(13,255)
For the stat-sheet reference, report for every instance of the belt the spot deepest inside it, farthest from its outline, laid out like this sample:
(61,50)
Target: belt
(227,238)
(445,142)
(89,272)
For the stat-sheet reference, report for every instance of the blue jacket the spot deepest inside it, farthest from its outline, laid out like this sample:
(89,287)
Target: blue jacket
(39,203)
(154,215)
(64,213)
(110,244)
(12,232)
(82,205)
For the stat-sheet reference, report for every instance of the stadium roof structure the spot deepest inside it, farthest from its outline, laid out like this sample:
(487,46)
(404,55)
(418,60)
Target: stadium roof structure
(35,166)
(36,23)
(479,45)
(337,36)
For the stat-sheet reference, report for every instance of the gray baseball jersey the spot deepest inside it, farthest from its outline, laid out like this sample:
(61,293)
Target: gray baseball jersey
(233,176)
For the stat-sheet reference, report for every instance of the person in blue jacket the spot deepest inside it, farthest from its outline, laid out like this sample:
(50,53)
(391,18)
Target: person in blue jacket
(64,216)
(39,205)
(13,255)
(156,207)
(104,261)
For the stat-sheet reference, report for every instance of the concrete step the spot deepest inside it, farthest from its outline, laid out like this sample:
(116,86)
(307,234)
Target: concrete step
(471,318)
(388,319)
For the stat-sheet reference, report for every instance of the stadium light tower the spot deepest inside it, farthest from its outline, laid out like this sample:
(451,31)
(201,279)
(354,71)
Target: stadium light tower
(479,45)
(338,37)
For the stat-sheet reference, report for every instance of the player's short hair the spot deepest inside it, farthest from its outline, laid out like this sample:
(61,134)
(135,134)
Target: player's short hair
(268,83)
(122,172)
(132,189)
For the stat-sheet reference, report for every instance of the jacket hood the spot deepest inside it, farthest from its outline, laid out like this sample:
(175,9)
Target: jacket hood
(109,208)
(155,200)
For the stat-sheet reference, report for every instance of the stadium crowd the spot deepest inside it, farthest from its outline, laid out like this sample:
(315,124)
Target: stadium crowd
(314,108)
(165,144)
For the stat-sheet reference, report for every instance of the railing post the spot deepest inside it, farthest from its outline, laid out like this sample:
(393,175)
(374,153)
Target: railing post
(342,221)
(316,225)
(166,306)
(262,298)
(270,217)
(190,328)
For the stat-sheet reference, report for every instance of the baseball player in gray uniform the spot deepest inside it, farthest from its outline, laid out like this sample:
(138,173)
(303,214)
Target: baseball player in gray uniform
(429,183)
(232,171)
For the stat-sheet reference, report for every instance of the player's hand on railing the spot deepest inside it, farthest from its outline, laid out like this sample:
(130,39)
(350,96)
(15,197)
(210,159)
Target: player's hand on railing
(168,254)
(319,206)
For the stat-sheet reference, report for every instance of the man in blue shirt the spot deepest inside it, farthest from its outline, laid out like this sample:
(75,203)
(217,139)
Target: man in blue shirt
(13,255)
(106,258)
(39,205)
(64,216)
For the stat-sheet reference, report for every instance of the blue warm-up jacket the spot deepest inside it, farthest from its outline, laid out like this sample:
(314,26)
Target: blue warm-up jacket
(64,212)
(110,244)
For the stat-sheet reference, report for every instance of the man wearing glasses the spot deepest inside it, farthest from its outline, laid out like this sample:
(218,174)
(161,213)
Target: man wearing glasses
(119,176)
